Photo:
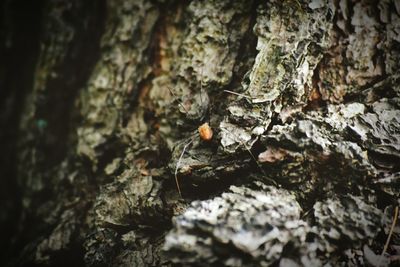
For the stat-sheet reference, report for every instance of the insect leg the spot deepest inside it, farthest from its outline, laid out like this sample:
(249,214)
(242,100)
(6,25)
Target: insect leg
(177,167)
(180,102)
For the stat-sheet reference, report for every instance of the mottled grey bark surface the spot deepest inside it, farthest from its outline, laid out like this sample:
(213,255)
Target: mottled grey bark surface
(100,106)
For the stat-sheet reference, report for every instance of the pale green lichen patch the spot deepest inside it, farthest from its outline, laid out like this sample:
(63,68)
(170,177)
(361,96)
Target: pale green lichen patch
(291,43)
(292,39)
(266,75)
(211,45)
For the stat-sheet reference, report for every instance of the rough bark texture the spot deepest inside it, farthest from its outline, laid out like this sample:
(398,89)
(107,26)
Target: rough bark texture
(100,105)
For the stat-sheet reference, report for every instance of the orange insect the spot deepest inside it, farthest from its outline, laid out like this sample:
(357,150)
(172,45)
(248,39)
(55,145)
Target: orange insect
(205,132)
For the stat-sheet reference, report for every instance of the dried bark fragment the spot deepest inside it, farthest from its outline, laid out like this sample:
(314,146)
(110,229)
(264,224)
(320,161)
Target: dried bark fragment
(99,248)
(249,227)
(139,249)
(347,221)
(60,238)
(346,144)
(243,227)
(137,197)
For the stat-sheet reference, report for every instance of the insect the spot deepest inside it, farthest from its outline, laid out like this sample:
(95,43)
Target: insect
(205,132)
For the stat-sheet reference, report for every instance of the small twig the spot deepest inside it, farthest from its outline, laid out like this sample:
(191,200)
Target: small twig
(396,214)
(201,83)
(234,93)
(177,167)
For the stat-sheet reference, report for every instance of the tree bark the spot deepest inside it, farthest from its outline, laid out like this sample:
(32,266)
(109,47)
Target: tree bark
(103,163)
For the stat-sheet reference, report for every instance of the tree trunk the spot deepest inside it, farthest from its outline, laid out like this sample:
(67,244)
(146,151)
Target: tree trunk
(103,163)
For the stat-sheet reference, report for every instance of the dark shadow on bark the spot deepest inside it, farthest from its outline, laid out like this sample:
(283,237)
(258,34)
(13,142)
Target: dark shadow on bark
(20,26)
(21,34)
